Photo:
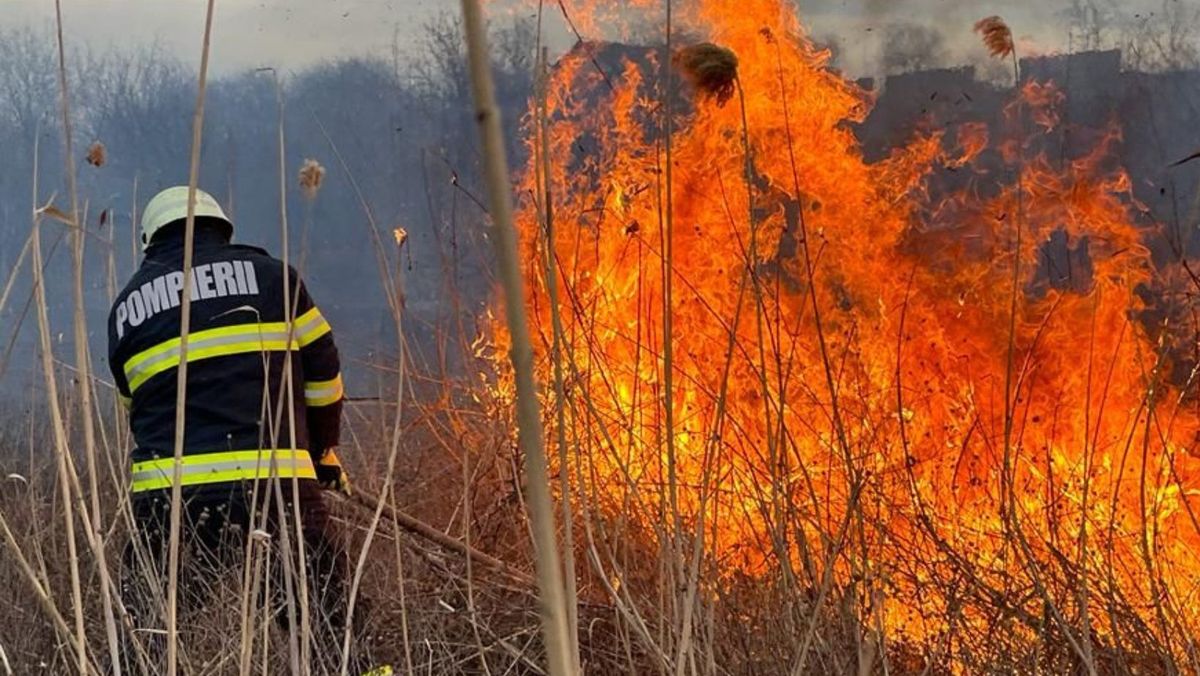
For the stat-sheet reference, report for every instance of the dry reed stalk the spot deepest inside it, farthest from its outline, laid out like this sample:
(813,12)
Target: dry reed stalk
(1089,450)
(393,288)
(82,355)
(667,228)
(185,321)
(393,452)
(586,449)
(310,178)
(29,299)
(406,522)
(295,572)
(250,572)
(1017,534)
(114,447)
(712,70)
(472,610)
(723,61)
(377,244)
(14,271)
(56,416)
(555,626)
(1160,597)
(855,483)
(265,621)
(998,38)
(619,591)
(557,349)
(82,362)
(400,586)
(257,551)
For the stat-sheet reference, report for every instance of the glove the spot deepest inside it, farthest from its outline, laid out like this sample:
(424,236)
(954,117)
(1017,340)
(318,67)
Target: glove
(330,474)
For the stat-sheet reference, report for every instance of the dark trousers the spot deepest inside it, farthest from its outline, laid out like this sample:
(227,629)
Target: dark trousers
(216,522)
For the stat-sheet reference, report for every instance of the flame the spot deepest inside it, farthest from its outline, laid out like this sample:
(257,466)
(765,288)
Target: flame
(973,139)
(852,360)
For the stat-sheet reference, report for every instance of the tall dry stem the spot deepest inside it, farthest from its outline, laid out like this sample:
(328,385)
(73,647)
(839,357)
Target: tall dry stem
(401,581)
(558,347)
(560,646)
(393,288)
(82,356)
(295,573)
(668,303)
(79,642)
(185,321)
(394,449)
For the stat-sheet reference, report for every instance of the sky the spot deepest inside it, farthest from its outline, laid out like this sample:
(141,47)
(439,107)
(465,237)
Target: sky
(293,33)
(247,33)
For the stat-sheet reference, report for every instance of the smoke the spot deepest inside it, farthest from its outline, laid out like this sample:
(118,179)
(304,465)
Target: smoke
(909,46)
(878,8)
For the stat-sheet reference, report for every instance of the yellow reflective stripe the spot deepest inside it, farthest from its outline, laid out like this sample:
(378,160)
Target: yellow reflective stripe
(226,340)
(310,326)
(137,378)
(223,341)
(223,467)
(323,392)
(208,334)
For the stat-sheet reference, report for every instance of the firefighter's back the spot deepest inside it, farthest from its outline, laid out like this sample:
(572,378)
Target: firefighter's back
(236,414)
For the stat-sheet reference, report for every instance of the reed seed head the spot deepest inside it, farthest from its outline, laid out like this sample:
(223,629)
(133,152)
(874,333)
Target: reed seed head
(997,36)
(312,174)
(712,69)
(97,155)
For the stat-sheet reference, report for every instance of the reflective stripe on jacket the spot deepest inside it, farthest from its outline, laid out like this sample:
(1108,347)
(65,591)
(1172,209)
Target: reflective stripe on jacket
(223,467)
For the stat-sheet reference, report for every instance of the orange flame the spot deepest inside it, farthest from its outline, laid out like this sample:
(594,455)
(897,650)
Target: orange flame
(843,346)
(973,139)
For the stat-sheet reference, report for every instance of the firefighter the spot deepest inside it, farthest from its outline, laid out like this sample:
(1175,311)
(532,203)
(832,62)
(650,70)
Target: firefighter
(257,443)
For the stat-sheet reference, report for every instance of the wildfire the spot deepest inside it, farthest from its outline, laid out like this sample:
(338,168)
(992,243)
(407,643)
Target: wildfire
(852,360)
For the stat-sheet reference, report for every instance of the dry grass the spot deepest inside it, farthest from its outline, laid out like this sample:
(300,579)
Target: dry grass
(419,617)
(749,624)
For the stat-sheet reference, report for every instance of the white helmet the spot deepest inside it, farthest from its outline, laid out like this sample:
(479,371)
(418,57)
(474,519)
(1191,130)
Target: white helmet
(171,205)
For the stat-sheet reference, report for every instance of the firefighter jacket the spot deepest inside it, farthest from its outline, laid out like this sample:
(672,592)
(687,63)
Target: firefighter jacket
(241,348)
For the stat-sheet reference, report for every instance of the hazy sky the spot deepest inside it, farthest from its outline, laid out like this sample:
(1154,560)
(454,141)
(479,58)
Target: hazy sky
(248,33)
(292,33)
